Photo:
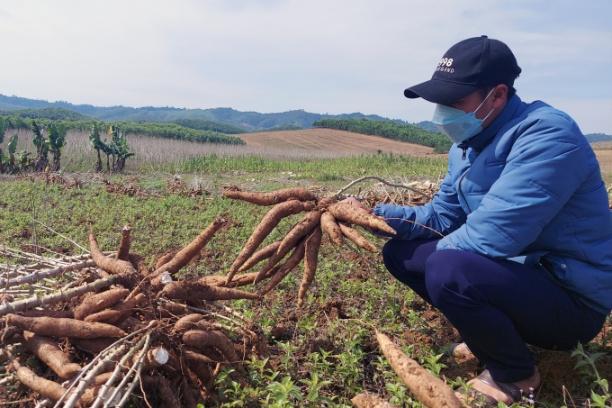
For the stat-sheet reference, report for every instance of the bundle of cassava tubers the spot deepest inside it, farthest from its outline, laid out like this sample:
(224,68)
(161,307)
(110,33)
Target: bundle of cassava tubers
(322,215)
(120,330)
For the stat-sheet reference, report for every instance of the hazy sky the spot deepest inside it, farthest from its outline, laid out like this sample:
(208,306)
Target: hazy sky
(277,55)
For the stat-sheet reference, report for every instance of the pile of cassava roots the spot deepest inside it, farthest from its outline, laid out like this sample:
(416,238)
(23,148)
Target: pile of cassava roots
(103,328)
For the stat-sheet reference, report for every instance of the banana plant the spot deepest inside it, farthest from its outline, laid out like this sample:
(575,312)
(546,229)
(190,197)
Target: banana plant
(107,147)
(12,148)
(56,140)
(3,126)
(25,162)
(42,148)
(119,147)
(97,144)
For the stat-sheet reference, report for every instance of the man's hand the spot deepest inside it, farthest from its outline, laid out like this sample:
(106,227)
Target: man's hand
(357,204)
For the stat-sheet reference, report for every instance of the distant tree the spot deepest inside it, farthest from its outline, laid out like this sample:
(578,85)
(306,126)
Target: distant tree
(175,131)
(42,148)
(57,140)
(203,124)
(48,113)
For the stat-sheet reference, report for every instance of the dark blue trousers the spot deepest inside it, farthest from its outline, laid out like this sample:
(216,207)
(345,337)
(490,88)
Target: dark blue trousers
(496,305)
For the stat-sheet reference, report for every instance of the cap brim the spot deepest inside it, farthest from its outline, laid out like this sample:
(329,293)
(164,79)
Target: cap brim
(438,91)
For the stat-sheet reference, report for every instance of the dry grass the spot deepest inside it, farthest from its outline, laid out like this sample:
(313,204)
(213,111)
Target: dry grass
(151,152)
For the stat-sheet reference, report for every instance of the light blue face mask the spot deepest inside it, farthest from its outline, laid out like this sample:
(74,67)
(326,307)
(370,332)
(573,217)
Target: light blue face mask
(458,125)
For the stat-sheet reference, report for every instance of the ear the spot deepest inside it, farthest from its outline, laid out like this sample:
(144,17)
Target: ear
(500,95)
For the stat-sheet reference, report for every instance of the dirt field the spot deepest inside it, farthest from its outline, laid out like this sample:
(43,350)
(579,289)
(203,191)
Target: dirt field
(328,141)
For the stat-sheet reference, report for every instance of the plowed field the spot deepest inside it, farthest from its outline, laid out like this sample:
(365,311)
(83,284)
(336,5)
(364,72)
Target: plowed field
(330,142)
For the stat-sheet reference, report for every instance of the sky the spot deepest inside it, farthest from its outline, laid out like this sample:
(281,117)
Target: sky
(325,56)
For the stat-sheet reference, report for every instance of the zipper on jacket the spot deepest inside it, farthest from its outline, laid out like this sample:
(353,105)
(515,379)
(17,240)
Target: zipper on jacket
(460,192)
(463,146)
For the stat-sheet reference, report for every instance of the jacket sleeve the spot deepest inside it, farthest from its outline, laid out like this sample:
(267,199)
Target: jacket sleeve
(544,168)
(432,220)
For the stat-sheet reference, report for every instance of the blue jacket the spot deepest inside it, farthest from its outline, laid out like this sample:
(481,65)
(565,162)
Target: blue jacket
(527,188)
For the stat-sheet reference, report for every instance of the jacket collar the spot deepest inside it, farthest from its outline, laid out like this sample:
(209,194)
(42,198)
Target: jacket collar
(482,139)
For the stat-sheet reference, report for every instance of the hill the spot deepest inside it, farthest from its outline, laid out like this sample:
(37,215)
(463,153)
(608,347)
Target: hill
(223,120)
(44,113)
(427,125)
(598,137)
(251,121)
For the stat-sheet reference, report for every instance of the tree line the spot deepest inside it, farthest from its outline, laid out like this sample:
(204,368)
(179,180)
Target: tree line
(391,130)
(167,130)
(202,124)
(176,131)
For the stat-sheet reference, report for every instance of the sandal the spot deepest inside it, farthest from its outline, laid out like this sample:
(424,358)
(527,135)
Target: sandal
(483,400)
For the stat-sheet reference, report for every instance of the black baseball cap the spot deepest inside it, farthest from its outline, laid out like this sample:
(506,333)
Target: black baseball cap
(467,66)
